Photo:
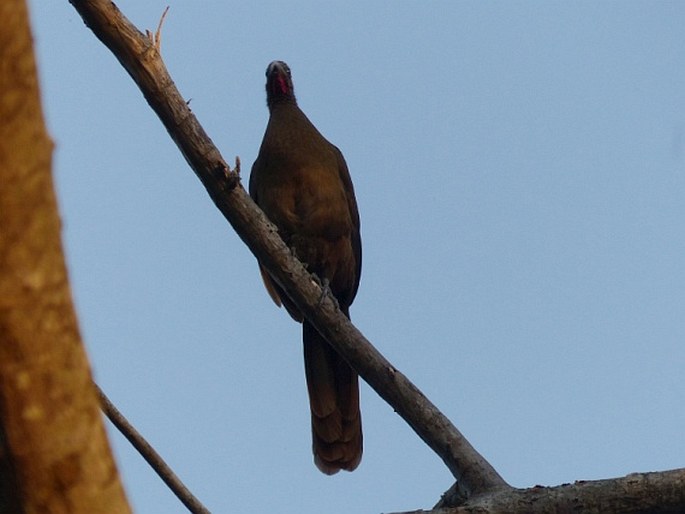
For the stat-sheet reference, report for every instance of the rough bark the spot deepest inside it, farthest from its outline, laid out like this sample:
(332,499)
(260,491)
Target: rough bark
(54,455)
(637,493)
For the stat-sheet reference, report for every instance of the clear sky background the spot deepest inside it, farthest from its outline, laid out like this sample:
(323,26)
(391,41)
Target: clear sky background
(520,174)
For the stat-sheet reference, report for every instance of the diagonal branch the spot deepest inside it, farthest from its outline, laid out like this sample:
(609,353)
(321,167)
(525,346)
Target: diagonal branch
(153,458)
(141,59)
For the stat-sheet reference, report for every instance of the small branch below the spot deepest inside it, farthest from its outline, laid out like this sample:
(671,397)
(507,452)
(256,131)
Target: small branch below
(150,455)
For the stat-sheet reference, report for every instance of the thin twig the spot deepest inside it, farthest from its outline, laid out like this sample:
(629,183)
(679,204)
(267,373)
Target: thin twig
(156,38)
(150,455)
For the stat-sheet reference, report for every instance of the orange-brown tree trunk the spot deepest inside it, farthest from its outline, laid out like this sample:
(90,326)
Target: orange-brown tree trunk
(54,454)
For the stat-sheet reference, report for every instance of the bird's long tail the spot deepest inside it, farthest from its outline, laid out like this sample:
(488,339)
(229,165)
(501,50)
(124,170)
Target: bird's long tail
(334,400)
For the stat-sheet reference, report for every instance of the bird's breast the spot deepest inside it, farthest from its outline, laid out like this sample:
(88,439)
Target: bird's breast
(309,200)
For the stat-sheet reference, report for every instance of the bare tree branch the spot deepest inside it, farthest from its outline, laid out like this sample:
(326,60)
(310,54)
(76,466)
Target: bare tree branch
(153,458)
(141,59)
(637,493)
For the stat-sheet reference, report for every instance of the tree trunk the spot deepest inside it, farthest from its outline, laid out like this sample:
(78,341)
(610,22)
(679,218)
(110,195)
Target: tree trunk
(54,455)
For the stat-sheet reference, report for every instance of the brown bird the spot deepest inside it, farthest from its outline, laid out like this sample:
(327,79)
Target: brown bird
(301,182)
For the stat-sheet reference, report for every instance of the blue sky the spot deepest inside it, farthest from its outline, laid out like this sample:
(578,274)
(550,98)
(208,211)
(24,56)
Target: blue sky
(520,174)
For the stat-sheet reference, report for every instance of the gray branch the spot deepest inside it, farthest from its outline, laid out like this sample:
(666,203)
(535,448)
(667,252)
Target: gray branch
(637,493)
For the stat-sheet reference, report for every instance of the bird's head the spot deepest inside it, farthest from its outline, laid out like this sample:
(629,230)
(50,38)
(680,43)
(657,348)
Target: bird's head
(279,84)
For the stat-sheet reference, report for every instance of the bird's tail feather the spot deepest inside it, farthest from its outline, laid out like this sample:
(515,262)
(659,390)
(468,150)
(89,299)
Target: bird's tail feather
(334,400)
